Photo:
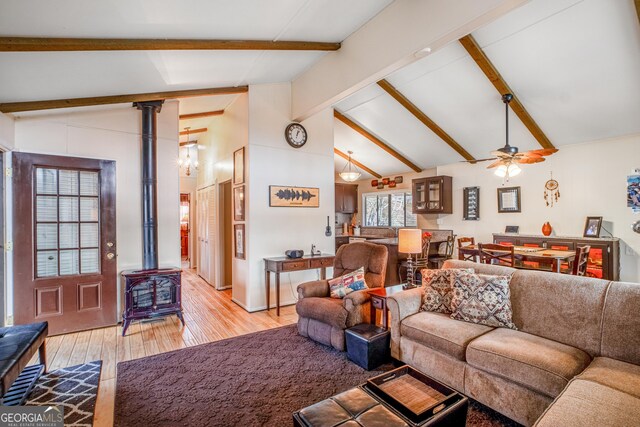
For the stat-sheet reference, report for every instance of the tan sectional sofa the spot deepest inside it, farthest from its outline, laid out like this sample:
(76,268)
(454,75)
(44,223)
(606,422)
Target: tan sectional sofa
(574,360)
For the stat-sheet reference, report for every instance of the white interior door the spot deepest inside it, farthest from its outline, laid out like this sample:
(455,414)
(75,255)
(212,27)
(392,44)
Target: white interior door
(212,218)
(203,235)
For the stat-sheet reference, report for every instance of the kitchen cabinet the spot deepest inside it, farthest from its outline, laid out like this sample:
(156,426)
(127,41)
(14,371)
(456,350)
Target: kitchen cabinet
(432,195)
(347,198)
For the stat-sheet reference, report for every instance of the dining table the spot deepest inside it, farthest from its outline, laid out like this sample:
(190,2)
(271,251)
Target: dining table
(534,256)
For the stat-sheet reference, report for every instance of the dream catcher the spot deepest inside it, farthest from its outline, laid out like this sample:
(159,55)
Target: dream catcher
(551,191)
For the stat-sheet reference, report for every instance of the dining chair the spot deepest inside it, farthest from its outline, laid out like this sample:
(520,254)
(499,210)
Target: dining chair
(491,253)
(446,254)
(581,260)
(467,241)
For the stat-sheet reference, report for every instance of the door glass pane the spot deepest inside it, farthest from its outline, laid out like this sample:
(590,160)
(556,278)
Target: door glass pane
(142,295)
(88,209)
(434,195)
(90,261)
(69,263)
(68,182)
(89,183)
(383,211)
(68,208)
(371,211)
(397,210)
(164,292)
(46,208)
(68,236)
(46,181)
(47,263)
(89,235)
(47,236)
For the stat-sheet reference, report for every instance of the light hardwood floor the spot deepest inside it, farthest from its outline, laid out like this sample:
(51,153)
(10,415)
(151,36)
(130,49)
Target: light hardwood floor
(210,315)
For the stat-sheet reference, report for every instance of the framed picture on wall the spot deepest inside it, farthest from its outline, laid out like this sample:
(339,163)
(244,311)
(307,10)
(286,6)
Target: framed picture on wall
(509,199)
(238,166)
(239,248)
(592,226)
(471,196)
(238,203)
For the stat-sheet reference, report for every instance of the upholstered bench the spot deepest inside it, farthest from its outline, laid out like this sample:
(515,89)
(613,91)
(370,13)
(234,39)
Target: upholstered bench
(18,344)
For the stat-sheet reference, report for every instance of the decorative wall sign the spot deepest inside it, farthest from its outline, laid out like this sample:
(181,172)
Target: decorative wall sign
(592,226)
(238,166)
(299,197)
(238,232)
(509,199)
(238,203)
(551,191)
(633,192)
(471,199)
(381,183)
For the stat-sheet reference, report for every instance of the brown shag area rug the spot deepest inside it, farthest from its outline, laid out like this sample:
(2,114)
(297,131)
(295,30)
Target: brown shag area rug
(258,379)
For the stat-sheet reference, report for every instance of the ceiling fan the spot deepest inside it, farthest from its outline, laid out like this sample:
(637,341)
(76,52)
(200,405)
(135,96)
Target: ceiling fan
(508,157)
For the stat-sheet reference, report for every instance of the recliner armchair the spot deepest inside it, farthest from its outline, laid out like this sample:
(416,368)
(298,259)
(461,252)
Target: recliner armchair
(324,319)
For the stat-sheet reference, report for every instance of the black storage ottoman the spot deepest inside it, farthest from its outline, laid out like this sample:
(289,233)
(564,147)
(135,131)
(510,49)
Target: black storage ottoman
(368,345)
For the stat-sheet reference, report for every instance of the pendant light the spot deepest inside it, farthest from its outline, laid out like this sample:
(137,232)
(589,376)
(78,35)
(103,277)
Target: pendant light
(187,163)
(350,172)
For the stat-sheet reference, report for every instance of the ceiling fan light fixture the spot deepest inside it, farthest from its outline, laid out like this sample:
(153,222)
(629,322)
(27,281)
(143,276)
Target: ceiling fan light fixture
(501,171)
(350,172)
(513,170)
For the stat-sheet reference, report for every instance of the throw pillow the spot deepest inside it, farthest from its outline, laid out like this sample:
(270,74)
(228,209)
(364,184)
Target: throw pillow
(342,286)
(482,299)
(438,288)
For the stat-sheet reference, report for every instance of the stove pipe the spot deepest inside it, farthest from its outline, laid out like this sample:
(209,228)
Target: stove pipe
(149,183)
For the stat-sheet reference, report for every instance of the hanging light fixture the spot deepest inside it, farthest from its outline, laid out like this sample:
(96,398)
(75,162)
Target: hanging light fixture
(509,168)
(350,171)
(187,163)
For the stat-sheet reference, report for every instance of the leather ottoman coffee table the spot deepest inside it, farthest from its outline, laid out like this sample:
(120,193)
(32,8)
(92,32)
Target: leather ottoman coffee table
(402,397)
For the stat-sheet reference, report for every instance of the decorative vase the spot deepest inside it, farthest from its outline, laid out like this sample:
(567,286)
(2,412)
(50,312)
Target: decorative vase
(546,229)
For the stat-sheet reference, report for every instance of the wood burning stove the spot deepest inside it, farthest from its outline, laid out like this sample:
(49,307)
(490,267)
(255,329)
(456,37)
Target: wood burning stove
(152,291)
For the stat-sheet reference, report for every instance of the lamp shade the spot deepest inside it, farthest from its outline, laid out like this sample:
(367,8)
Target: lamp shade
(410,240)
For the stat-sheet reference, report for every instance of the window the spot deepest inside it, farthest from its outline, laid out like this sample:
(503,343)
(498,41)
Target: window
(388,210)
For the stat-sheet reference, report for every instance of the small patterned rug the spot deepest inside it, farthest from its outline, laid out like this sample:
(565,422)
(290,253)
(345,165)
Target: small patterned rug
(75,388)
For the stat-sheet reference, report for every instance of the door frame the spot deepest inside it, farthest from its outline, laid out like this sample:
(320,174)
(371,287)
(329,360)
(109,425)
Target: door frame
(222,249)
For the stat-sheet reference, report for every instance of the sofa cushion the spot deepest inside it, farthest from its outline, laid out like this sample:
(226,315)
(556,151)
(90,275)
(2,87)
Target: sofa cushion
(439,332)
(483,299)
(325,310)
(585,403)
(438,289)
(621,323)
(343,285)
(538,363)
(613,373)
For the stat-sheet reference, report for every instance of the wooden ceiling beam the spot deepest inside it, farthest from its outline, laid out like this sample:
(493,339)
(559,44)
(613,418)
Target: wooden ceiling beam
(357,163)
(371,137)
(46,44)
(14,107)
(202,114)
(418,114)
(472,47)
(637,3)
(192,131)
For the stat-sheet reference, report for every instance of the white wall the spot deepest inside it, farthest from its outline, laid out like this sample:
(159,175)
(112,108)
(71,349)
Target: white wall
(7,132)
(271,161)
(592,178)
(115,135)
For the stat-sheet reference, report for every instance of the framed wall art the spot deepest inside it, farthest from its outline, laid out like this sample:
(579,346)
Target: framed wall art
(238,203)
(238,166)
(592,226)
(471,196)
(509,200)
(238,240)
(298,197)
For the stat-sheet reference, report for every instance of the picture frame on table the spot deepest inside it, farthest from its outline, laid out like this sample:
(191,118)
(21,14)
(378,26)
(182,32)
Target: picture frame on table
(592,226)
(238,203)
(509,200)
(238,241)
(238,166)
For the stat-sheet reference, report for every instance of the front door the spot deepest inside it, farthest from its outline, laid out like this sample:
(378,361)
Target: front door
(64,263)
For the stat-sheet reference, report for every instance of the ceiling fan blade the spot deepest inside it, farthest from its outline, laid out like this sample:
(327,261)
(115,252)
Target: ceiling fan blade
(529,160)
(501,155)
(544,151)
(495,164)
(527,154)
(476,161)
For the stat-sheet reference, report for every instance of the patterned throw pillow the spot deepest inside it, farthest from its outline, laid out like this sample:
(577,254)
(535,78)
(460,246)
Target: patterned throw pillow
(482,299)
(438,288)
(344,285)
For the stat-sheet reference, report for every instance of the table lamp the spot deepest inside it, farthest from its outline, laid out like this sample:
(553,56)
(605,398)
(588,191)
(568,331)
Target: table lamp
(410,242)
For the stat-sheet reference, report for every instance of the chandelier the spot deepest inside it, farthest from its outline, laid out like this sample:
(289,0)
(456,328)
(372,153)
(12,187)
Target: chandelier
(350,172)
(187,163)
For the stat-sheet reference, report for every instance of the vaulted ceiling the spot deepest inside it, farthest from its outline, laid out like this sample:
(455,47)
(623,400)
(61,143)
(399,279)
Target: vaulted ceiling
(573,64)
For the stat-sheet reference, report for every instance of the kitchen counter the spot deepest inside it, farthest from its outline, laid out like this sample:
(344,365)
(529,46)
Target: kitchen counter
(386,241)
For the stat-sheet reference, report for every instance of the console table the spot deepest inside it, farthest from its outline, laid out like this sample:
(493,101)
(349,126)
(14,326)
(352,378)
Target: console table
(285,264)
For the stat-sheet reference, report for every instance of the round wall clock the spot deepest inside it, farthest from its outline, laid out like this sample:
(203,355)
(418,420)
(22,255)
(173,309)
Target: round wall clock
(296,135)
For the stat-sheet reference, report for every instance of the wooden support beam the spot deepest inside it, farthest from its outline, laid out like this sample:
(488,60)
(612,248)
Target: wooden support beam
(637,2)
(185,143)
(203,114)
(413,109)
(472,47)
(192,131)
(371,137)
(357,163)
(14,107)
(46,44)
